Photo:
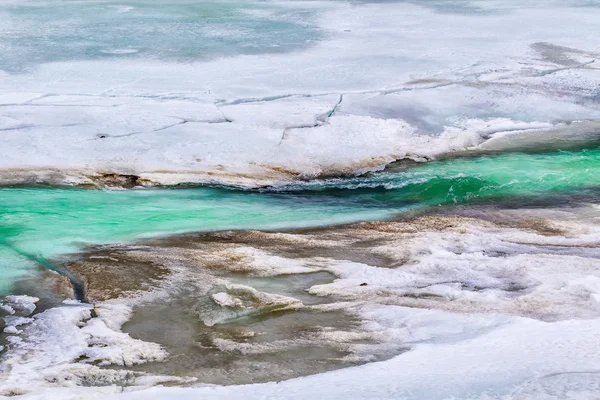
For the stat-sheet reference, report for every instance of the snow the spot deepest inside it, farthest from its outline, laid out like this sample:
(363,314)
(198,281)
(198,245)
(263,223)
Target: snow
(489,365)
(483,312)
(261,263)
(385,81)
(22,305)
(476,310)
(109,347)
(470,357)
(42,353)
(476,271)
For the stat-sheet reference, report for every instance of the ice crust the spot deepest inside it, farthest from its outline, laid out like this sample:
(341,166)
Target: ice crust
(387,81)
(482,311)
(44,351)
(238,301)
(486,312)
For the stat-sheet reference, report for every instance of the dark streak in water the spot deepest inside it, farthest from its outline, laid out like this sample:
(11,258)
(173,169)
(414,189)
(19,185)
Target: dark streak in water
(77,284)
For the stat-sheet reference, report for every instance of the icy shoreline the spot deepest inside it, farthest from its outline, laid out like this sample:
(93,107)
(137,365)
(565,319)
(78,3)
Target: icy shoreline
(480,305)
(482,301)
(426,89)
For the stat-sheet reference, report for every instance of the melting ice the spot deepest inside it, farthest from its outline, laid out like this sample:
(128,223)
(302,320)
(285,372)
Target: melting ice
(492,304)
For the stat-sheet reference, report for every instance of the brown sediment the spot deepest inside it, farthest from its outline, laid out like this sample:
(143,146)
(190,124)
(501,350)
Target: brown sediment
(211,299)
(259,174)
(293,244)
(112,272)
(543,227)
(281,170)
(83,178)
(97,178)
(120,180)
(518,219)
(172,285)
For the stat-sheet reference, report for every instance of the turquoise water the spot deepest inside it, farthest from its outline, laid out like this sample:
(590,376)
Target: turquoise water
(464,179)
(39,223)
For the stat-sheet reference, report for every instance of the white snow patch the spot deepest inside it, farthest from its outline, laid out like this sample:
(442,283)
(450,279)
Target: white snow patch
(465,78)
(43,356)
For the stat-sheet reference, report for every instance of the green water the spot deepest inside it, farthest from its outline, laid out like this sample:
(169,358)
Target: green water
(463,179)
(43,222)
(39,223)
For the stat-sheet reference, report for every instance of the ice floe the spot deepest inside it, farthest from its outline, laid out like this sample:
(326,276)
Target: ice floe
(385,81)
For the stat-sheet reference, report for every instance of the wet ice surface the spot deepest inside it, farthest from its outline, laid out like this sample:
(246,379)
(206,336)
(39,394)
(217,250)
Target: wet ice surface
(39,32)
(351,87)
(271,346)
(257,93)
(483,292)
(226,314)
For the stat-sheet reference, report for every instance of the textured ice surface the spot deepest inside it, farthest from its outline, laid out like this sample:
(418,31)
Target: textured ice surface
(490,364)
(239,301)
(486,311)
(337,87)
(43,350)
(258,92)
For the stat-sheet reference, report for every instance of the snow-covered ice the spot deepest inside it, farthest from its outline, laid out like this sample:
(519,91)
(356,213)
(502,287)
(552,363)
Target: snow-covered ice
(308,89)
(376,82)
(501,363)
(478,309)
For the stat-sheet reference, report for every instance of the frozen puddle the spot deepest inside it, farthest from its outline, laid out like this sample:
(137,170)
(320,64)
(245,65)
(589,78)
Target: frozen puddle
(225,314)
(261,347)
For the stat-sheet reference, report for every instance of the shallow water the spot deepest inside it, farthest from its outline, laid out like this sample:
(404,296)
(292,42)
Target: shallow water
(259,348)
(39,223)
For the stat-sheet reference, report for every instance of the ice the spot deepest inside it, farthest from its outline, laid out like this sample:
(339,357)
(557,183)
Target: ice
(65,344)
(43,354)
(21,306)
(17,98)
(283,113)
(478,309)
(178,30)
(312,88)
(452,357)
(261,263)
(573,385)
(238,301)
(474,268)
(11,330)
(487,364)
(108,347)
(384,80)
